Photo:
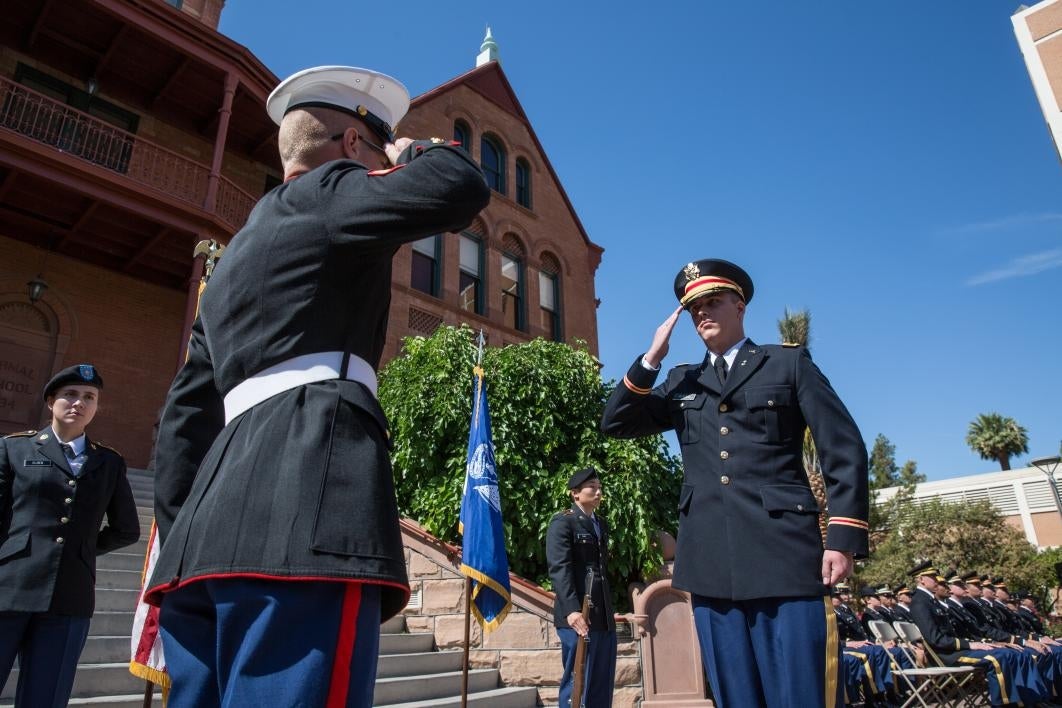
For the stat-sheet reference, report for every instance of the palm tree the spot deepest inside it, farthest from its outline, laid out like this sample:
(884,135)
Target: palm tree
(795,328)
(997,437)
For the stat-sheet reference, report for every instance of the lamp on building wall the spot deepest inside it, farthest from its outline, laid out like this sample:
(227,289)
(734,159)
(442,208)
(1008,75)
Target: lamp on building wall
(37,286)
(1048,465)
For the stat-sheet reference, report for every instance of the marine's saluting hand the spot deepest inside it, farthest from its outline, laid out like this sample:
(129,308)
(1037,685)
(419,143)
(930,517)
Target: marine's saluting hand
(658,349)
(395,149)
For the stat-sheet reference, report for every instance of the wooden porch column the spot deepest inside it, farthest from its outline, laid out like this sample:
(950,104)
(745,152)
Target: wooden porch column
(224,113)
(191,306)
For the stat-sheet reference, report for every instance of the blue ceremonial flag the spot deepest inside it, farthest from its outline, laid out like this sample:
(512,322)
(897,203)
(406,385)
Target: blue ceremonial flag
(483,557)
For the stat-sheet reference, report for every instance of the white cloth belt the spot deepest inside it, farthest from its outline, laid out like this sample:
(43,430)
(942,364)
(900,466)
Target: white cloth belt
(297,371)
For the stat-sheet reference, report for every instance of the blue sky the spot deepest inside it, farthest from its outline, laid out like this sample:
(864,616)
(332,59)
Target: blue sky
(885,165)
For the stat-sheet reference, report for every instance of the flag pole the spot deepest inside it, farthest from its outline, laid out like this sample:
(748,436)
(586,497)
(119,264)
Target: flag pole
(204,257)
(468,630)
(468,580)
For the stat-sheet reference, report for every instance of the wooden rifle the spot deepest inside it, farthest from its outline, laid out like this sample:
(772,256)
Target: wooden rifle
(584,642)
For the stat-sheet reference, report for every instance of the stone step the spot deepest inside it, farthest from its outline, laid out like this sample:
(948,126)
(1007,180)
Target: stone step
(515,697)
(406,689)
(431,662)
(132,700)
(106,649)
(407,643)
(395,625)
(116,600)
(140,547)
(111,624)
(93,680)
(119,579)
(120,560)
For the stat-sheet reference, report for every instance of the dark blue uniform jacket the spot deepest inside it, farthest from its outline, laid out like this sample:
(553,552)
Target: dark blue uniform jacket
(300,486)
(50,523)
(748,521)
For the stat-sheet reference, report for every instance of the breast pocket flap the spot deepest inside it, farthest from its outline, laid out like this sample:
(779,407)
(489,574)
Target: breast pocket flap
(757,398)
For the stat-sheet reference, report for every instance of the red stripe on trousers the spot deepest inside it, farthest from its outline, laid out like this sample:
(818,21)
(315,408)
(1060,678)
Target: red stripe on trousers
(348,636)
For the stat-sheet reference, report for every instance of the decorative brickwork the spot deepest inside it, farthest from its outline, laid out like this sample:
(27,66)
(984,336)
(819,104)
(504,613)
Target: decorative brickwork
(422,322)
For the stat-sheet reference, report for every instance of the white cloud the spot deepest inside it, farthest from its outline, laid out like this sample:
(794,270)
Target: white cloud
(1004,223)
(1020,267)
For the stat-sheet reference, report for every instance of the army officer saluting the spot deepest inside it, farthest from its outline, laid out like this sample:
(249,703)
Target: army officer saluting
(56,486)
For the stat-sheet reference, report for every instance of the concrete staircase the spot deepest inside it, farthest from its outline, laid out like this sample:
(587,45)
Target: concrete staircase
(411,672)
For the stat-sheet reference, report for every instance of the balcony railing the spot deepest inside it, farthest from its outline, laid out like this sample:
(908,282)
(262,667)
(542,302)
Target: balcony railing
(51,122)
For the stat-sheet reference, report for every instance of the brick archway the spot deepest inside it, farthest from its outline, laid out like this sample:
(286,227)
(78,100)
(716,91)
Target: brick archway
(31,343)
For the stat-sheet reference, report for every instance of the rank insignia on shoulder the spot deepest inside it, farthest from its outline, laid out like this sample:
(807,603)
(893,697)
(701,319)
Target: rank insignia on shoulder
(568,512)
(790,345)
(438,141)
(21,434)
(105,446)
(381,173)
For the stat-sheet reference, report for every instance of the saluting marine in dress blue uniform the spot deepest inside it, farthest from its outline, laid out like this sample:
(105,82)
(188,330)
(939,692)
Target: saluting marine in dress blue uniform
(55,493)
(749,546)
(281,550)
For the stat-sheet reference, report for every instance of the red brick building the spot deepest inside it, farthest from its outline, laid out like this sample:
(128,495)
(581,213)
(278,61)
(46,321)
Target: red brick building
(131,129)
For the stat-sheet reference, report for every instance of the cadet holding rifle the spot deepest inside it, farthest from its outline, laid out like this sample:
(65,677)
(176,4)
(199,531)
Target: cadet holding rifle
(577,553)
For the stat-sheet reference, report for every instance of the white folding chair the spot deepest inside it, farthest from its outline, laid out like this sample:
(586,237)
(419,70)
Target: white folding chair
(922,683)
(959,684)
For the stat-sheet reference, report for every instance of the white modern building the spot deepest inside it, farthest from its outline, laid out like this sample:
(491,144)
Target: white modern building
(1022,496)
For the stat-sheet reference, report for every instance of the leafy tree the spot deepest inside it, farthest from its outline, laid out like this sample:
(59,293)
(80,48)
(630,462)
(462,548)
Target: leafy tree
(909,475)
(545,402)
(967,536)
(883,469)
(997,437)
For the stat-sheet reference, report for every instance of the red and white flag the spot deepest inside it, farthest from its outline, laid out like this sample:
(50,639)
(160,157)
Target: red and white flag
(148,661)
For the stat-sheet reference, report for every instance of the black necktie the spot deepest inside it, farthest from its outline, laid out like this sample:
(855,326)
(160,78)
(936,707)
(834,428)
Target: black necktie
(68,450)
(721,369)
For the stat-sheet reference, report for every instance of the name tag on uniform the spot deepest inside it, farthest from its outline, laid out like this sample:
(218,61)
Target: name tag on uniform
(687,397)
(584,538)
(38,463)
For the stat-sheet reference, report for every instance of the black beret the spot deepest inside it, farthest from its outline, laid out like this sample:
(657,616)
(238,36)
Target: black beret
(80,374)
(708,276)
(582,477)
(867,591)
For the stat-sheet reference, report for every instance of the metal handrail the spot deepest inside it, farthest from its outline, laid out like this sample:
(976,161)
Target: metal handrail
(51,122)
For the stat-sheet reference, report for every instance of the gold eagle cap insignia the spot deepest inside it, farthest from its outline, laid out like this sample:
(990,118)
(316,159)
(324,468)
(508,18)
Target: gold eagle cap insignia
(691,271)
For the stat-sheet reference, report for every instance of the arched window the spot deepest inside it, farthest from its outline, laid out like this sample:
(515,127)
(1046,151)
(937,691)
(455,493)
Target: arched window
(425,271)
(492,160)
(463,135)
(470,277)
(549,299)
(512,283)
(523,183)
